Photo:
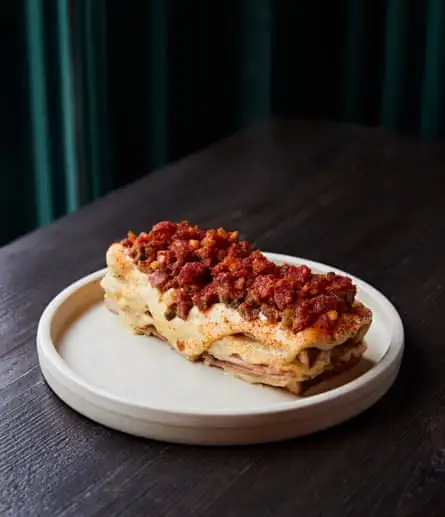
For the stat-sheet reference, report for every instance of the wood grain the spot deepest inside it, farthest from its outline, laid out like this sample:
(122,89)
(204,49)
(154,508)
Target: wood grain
(365,201)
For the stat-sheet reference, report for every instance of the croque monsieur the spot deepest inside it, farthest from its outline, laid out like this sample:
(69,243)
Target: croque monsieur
(215,299)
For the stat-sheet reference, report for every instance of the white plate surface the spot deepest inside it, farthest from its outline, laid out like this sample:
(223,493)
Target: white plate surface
(139,385)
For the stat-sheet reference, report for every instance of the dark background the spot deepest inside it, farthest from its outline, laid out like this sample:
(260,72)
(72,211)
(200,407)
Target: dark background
(155,80)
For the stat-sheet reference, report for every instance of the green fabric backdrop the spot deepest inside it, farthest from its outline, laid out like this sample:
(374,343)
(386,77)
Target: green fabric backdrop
(97,93)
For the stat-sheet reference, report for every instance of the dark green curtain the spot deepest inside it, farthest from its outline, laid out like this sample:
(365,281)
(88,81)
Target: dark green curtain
(96,93)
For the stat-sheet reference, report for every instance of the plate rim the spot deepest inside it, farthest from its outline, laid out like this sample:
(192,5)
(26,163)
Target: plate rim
(391,358)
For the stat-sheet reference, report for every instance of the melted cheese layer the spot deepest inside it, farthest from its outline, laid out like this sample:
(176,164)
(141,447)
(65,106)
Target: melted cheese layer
(142,308)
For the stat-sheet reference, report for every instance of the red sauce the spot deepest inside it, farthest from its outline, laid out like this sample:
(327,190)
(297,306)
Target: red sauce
(214,266)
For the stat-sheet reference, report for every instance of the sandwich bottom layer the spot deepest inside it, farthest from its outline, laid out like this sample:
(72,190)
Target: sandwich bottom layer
(343,358)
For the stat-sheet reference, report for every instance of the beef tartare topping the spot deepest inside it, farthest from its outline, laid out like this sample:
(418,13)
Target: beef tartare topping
(213,266)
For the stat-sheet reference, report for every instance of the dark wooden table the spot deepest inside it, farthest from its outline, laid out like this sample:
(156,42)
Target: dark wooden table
(368,202)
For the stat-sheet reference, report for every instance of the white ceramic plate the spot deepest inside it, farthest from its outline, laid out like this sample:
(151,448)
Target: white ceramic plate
(139,385)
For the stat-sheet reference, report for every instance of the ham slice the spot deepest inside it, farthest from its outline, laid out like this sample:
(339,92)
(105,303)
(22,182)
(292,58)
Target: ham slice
(340,359)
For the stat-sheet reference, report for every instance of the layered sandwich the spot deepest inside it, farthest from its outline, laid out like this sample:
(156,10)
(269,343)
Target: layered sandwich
(214,298)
